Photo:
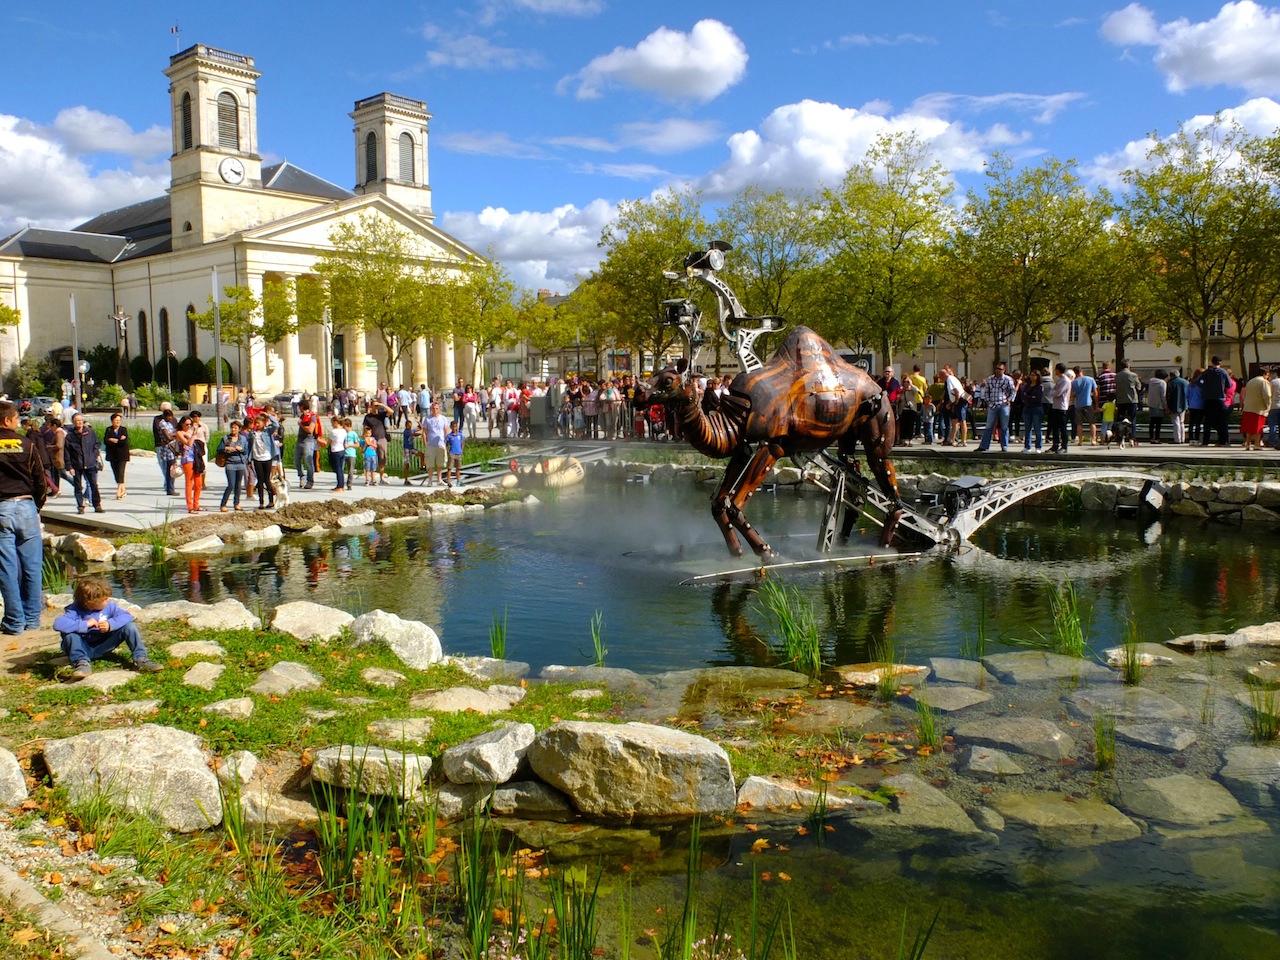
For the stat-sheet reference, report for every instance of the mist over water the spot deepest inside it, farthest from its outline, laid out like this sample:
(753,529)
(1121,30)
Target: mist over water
(625,549)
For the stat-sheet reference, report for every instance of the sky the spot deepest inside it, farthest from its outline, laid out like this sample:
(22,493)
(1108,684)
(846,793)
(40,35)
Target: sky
(548,113)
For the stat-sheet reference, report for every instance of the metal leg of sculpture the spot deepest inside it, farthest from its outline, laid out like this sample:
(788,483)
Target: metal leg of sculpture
(878,434)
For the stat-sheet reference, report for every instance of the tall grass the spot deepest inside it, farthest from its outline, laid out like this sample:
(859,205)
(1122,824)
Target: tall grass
(1070,630)
(1131,659)
(799,643)
(1104,741)
(1263,714)
(927,723)
(597,638)
(574,905)
(498,636)
(921,940)
(53,574)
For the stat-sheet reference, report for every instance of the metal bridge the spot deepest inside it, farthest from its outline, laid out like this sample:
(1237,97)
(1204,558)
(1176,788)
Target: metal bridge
(492,471)
(965,505)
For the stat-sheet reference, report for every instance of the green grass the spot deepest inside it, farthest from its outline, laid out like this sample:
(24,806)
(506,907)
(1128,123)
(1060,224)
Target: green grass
(798,641)
(54,575)
(1070,629)
(1104,741)
(597,639)
(1131,660)
(927,723)
(1263,715)
(498,636)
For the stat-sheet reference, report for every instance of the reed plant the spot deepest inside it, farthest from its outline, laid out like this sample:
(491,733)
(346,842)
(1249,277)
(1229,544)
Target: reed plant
(53,574)
(799,642)
(1131,656)
(1104,741)
(920,942)
(498,636)
(976,648)
(597,638)
(927,723)
(1070,629)
(159,539)
(681,933)
(478,885)
(1263,714)
(888,680)
(574,904)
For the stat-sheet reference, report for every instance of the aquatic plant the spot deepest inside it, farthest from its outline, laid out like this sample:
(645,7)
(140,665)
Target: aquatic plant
(927,723)
(1104,741)
(574,905)
(53,574)
(1264,714)
(597,638)
(498,636)
(1070,630)
(1131,660)
(681,933)
(478,885)
(888,679)
(976,648)
(795,625)
(921,940)
(159,539)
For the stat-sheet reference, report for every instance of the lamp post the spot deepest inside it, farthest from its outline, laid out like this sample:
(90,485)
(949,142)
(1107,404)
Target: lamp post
(217,352)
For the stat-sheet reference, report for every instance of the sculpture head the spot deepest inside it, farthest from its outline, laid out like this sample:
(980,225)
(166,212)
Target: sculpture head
(669,383)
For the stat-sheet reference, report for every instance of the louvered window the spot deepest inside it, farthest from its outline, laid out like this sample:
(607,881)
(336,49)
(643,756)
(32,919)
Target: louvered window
(406,158)
(228,121)
(165,345)
(192,335)
(144,341)
(370,158)
(187,143)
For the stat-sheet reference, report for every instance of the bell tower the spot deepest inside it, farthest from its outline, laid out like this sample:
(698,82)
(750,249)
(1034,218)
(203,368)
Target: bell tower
(213,95)
(391,150)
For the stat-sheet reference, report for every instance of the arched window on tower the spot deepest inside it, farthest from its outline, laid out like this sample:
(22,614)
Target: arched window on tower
(165,345)
(406,158)
(228,121)
(371,158)
(187,138)
(193,341)
(144,336)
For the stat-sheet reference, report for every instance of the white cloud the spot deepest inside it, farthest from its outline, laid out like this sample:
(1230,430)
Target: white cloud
(1259,117)
(44,180)
(83,130)
(673,135)
(878,40)
(698,65)
(801,145)
(570,8)
(488,144)
(473,52)
(627,171)
(541,249)
(1043,107)
(1238,47)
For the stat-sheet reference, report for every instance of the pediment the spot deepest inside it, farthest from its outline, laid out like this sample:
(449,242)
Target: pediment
(311,229)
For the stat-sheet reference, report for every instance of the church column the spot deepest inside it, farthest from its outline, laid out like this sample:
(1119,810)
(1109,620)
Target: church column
(263,371)
(420,374)
(293,368)
(359,377)
(445,376)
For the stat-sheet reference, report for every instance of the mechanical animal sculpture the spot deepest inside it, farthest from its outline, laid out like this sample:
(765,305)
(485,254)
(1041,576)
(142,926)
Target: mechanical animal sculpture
(804,399)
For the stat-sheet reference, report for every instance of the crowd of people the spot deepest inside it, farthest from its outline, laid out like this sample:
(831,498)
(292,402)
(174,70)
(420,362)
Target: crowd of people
(1073,406)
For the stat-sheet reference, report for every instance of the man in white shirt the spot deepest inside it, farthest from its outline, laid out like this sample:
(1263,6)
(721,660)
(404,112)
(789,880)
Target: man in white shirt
(958,398)
(1060,402)
(424,400)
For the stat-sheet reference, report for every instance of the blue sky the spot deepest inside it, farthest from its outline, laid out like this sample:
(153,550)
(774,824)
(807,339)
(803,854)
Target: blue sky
(547,113)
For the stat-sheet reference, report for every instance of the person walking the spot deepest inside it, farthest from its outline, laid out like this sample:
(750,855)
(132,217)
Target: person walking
(82,454)
(233,450)
(1128,394)
(1157,405)
(23,489)
(999,390)
(55,442)
(338,452)
(116,440)
(162,428)
(1214,384)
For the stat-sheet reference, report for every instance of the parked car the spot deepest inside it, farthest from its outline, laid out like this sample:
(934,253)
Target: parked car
(39,406)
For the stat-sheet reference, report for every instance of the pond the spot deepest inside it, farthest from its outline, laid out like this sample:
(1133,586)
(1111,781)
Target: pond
(625,551)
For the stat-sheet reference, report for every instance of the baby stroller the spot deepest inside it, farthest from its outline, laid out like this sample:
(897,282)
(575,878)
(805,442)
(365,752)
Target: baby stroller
(657,422)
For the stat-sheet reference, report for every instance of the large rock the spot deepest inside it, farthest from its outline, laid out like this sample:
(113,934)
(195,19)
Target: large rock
(1261,634)
(1252,773)
(955,670)
(406,729)
(1063,821)
(1034,666)
(1179,799)
(1157,736)
(615,677)
(920,812)
(778,794)
(990,762)
(305,620)
(634,769)
(227,614)
(1269,494)
(1147,655)
(414,644)
(1238,491)
(210,544)
(374,770)
(149,769)
(285,677)
(168,610)
(104,681)
(364,518)
(531,800)
(460,699)
(490,669)
(1031,735)
(13,785)
(203,675)
(492,757)
(949,698)
(237,769)
(271,813)
(135,555)
(1125,703)
(1207,641)
(873,674)
(87,548)
(258,538)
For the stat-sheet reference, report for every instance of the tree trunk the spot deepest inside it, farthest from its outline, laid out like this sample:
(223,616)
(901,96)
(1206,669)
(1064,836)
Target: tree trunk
(1243,363)
(1120,342)
(1024,347)
(1093,360)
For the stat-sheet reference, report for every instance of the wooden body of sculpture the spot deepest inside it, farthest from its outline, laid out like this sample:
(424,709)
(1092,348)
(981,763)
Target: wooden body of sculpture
(803,400)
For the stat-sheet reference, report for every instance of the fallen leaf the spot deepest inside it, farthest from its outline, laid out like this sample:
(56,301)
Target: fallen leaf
(169,926)
(750,827)
(12,646)
(37,717)
(784,877)
(54,878)
(759,845)
(27,935)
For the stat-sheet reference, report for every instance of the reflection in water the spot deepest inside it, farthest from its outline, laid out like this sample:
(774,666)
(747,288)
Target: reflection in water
(624,550)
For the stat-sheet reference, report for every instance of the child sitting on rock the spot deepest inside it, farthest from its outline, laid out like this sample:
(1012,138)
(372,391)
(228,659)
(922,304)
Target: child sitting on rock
(93,625)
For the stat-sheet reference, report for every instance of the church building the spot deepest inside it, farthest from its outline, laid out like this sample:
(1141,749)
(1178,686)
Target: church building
(141,272)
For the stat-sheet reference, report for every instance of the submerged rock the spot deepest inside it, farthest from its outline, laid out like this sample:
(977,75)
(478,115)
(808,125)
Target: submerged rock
(949,698)
(762,794)
(1061,820)
(873,674)
(919,812)
(1252,773)
(1159,736)
(1031,735)
(955,670)
(1035,666)
(828,716)
(1179,799)
(1124,703)
(634,769)
(988,761)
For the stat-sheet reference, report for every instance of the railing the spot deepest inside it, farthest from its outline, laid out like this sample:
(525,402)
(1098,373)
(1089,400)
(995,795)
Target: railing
(393,100)
(212,53)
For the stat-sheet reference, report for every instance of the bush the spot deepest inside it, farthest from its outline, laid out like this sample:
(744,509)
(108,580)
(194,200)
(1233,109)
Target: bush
(140,369)
(166,372)
(228,375)
(32,376)
(191,370)
(108,395)
(151,395)
(102,363)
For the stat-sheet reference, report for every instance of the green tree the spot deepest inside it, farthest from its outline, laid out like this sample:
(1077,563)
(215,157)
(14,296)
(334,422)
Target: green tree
(960,322)
(9,317)
(1022,238)
(588,319)
(647,238)
(882,230)
(245,320)
(1200,210)
(484,311)
(379,283)
(541,326)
